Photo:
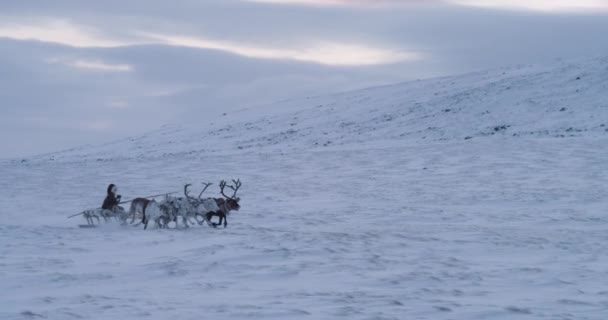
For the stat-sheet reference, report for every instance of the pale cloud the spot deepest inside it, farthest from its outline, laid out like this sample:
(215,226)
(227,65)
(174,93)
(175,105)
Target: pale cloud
(539,5)
(100,66)
(62,32)
(91,65)
(323,52)
(548,6)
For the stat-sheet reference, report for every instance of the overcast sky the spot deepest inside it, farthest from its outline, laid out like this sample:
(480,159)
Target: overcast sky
(83,72)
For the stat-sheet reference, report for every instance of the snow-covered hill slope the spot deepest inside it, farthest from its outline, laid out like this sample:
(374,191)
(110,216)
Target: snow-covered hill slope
(480,196)
(561,100)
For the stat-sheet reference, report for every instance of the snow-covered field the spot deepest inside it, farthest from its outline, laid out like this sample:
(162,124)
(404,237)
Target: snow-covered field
(480,196)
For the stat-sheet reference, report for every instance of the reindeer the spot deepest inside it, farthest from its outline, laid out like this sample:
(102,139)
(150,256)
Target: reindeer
(225,205)
(175,207)
(200,206)
(138,206)
(150,211)
(202,209)
(186,207)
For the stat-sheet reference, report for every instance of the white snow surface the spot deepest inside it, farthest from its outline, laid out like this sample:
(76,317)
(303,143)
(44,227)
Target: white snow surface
(480,196)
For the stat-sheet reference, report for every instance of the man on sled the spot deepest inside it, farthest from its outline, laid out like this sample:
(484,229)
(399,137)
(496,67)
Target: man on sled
(111,203)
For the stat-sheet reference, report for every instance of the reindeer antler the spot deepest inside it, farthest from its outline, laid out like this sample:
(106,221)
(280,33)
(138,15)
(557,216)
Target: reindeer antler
(237,185)
(222,186)
(235,188)
(206,184)
(186,192)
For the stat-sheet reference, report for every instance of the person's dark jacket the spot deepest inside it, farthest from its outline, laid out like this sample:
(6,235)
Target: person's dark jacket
(111,200)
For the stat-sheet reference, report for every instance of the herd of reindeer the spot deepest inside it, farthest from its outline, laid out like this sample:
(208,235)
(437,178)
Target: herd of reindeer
(174,209)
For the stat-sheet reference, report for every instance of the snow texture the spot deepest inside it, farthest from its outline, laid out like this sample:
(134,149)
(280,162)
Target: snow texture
(481,196)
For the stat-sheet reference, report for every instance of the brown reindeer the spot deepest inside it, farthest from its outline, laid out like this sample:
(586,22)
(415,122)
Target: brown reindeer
(225,205)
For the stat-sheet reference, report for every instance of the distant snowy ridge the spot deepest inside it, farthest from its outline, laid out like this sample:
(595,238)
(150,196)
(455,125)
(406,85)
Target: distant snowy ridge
(559,101)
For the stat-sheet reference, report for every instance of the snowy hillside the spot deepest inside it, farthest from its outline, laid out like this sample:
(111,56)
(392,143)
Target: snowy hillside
(563,100)
(481,196)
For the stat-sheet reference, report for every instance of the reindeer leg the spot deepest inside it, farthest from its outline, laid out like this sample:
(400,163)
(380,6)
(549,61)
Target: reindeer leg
(225,219)
(144,220)
(208,217)
(201,219)
(218,214)
(132,217)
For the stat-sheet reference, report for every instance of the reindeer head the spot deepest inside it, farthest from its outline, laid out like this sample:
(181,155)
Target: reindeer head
(233,204)
(233,201)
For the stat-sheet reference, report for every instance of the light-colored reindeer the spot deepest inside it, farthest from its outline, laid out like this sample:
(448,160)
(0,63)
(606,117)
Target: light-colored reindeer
(186,207)
(150,211)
